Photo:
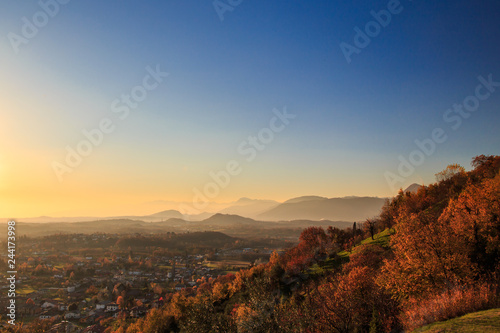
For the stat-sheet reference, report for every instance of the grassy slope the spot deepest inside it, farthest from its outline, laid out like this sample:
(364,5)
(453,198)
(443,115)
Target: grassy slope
(477,322)
(382,239)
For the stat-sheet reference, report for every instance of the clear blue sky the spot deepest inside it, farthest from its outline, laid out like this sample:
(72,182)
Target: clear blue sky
(225,77)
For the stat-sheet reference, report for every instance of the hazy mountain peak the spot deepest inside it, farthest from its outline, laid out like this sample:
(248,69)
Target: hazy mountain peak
(318,208)
(170,213)
(305,198)
(244,200)
(413,188)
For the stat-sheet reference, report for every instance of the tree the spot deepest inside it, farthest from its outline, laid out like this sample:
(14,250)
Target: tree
(485,166)
(120,301)
(313,237)
(428,258)
(369,255)
(450,171)
(369,227)
(344,305)
(259,313)
(92,290)
(159,321)
(475,218)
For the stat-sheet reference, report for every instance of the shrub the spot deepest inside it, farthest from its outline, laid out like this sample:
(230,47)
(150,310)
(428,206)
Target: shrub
(448,305)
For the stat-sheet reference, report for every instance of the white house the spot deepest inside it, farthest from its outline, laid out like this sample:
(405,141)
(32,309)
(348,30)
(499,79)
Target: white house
(101,306)
(112,307)
(72,315)
(48,304)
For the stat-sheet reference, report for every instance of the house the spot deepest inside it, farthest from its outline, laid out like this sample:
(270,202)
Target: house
(48,304)
(72,315)
(101,305)
(112,307)
(71,289)
(48,314)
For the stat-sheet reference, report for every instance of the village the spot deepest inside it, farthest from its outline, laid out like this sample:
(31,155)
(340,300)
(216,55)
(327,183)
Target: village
(85,290)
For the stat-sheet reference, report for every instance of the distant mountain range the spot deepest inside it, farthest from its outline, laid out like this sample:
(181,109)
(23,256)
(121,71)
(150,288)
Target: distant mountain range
(231,224)
(249,207)
(305,207)
(320,208)
(312,208)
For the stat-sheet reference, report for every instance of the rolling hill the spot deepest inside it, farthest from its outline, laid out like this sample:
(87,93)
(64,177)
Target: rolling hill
(233,225)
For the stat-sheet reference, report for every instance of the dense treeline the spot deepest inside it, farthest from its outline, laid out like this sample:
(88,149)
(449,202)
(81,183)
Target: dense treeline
(168,243)
(442,261)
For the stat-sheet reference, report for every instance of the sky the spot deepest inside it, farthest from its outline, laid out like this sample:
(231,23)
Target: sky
(197,101)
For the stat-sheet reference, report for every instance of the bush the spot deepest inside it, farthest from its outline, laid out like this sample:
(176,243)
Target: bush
(448,305)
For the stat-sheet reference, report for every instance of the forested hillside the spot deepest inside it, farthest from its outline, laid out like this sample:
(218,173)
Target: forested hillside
(430,256)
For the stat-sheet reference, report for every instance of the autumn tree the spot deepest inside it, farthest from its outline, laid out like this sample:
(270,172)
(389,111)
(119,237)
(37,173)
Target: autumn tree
(450,171)
(92,290)
(346,304)
(427,258)
(259,312)
(369,227)
(120,301)
(389,211)
(485,166)
(475,218)
(313,238)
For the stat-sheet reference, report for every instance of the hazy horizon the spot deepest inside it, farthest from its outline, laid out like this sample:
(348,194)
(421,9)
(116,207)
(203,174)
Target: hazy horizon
(107,106)
(156,206)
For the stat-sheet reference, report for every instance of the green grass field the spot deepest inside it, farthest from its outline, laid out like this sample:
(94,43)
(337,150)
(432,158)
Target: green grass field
(382,238)
(478,322)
